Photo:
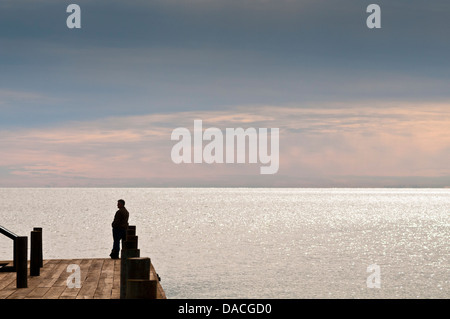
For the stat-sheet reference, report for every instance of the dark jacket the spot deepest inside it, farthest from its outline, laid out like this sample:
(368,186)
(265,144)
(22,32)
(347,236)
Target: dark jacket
(121,219)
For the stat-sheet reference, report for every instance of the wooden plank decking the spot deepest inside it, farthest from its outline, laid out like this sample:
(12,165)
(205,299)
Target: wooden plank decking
(100,279)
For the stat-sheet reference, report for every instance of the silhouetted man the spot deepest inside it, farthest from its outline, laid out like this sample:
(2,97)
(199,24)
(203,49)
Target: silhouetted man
(119,228)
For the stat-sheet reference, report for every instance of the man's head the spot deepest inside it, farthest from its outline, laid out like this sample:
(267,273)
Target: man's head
(120,203)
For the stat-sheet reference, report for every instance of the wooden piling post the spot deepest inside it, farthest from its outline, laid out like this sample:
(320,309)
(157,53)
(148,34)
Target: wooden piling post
(41,257)
(142,289)
(15,249)
(36,244)
(21,247)
(138,268)
(139,285)
(131,242)
(131,230)
(125,254)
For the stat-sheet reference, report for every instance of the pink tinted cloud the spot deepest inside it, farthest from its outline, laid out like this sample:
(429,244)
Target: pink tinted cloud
(321,142)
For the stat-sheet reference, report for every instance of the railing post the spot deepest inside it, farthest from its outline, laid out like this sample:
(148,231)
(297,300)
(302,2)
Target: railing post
(142,289)
(131,230)
(20,252)
(138,268)
(14,267)
(36,245)
(131,242)
(139,285)
(125,255)
(130,235)
(41,256)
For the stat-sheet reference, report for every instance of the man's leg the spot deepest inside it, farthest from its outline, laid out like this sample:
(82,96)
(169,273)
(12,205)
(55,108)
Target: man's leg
(123,235)
(117,236)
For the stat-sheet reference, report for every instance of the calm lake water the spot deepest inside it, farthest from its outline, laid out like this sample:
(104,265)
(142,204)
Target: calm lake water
(255,242)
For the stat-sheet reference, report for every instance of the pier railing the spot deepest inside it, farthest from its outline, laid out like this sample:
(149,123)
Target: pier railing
(135,282)
(20,260)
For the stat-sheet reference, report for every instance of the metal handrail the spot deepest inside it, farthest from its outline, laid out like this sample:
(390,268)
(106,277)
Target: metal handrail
(11,235)
(8,233)
(20,257)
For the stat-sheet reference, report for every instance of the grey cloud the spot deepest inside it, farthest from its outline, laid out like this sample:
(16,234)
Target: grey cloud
(139,57)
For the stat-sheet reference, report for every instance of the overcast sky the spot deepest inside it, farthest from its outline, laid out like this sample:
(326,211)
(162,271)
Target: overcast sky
(356,107)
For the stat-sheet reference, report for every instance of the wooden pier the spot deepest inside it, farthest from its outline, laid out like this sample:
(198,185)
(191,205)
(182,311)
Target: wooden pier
(99,278)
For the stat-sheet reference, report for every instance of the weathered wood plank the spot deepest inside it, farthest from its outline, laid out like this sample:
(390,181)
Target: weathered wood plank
(54,292)
(39,289)
(6,279)
(115,293)
(51,280)
(99,278)
(105,281)
(72,292)
(90,284)
(154,276)
(37,293)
